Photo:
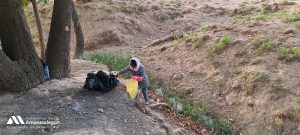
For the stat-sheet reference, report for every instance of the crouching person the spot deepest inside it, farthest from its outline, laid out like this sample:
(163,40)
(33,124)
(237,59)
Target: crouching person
(138,71)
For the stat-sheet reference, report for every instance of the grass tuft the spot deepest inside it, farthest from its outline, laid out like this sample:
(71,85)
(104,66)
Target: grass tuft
(288,53)
(261,17)
(204,27)
(287,16)
(220,45)
(263,44)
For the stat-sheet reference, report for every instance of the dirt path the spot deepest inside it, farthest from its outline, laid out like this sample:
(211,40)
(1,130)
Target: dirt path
(78,111)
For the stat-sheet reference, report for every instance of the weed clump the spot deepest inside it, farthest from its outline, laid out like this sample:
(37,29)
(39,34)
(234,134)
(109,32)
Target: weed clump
(287,16)
(204,27)
(263,44)
(288,54)
(224,41)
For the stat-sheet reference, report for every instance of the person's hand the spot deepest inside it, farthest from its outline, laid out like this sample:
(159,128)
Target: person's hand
(115,73)
(137,78)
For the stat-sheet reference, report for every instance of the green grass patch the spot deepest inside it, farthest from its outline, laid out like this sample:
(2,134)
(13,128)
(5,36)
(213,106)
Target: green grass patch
(243,19)
(114,62)
(224,41)
(204,27)
(261,17)
(263,44)
(287,16)
(198,112)
(288,54)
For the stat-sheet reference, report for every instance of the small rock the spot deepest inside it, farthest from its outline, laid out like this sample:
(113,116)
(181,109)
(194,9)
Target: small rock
(188,40)
(100,110)
(203,131)
(68,98)
(216,30)
(178,76)
(205,37)
(289,31)
(147,133)
(163,48)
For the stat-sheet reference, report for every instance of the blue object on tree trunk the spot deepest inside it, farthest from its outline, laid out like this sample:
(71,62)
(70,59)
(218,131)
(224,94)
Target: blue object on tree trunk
(46,72)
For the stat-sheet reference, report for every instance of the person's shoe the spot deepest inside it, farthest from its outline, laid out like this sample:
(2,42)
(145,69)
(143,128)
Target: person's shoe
(147,103)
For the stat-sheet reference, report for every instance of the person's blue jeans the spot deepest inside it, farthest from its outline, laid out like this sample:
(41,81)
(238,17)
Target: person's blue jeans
(145,93)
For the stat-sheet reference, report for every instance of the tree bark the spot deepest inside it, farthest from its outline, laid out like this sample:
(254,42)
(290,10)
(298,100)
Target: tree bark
(12,77)
(18,46)
(40,29)
(58,46)
(79,34)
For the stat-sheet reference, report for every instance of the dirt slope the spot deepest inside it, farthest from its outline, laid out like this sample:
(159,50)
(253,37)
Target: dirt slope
(79,111)
(255,91)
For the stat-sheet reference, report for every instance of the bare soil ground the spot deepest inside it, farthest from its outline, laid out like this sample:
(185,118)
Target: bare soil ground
(255,91)
(79,111)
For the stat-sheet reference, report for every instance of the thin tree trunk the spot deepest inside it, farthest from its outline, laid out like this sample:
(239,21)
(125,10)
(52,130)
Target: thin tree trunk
(58,46)
(18,46)
(40,28)
(79,34)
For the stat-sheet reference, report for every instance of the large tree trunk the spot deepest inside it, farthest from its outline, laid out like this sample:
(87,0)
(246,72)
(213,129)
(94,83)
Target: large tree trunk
(40,28)
(58,46)
(79,34)
(12,77)
(18,46)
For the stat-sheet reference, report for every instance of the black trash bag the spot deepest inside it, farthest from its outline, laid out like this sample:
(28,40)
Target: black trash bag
(100,81)
(92,82)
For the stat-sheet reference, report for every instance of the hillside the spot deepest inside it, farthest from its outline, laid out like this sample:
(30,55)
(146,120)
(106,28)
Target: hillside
(240,59)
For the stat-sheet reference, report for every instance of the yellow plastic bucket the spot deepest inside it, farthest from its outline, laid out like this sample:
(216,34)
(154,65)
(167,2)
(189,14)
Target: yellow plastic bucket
(132,88)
